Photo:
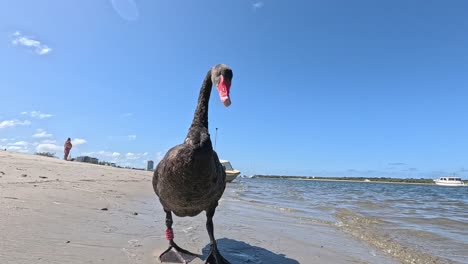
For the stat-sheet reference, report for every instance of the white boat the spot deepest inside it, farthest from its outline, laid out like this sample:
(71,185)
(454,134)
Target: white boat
(231,173)
(449,181)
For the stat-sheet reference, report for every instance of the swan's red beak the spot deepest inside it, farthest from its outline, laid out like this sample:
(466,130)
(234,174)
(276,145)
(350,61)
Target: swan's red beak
(223,90)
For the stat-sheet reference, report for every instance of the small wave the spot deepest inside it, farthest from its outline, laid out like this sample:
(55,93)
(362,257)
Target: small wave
(279,208)
(442,221)
(370,205)
(372,231)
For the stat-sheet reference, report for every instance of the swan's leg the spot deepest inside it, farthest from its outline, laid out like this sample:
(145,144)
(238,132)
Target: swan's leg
(214,256)
(174,253)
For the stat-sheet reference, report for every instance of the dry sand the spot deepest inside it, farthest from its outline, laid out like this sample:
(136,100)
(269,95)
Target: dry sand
(51,211)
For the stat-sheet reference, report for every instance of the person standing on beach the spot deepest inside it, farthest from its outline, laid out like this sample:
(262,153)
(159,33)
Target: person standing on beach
(67,147)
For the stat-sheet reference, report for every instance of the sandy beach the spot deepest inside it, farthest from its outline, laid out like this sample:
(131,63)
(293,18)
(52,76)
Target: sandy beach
(55,211)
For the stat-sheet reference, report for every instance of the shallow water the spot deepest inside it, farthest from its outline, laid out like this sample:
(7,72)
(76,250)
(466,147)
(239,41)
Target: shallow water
(413,223)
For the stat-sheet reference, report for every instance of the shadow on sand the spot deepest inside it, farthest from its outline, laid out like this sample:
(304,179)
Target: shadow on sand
(240,252)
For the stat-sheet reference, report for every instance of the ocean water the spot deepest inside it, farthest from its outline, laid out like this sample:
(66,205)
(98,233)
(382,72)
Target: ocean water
(410,222)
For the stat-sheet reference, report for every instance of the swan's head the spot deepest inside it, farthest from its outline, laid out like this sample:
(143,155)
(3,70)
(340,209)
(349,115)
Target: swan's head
(221,76)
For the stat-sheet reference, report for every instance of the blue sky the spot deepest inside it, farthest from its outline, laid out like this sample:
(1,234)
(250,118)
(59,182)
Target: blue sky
(327,88)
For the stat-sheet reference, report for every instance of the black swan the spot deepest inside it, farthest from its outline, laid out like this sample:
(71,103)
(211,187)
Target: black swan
(190,179)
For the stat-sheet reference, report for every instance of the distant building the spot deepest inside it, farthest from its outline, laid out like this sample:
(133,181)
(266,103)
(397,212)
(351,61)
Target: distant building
(150,165)
(87,159)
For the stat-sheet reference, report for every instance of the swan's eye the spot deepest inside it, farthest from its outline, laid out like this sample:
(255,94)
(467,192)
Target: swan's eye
(227,75)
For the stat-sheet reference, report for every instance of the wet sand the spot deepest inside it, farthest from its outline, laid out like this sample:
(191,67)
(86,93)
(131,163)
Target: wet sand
(55,211)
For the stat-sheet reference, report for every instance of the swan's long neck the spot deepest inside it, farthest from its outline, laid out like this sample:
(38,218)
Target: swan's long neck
(201,113)
(198,133)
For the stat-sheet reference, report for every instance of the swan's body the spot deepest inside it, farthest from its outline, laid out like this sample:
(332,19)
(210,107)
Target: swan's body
(193,179)
(190,179)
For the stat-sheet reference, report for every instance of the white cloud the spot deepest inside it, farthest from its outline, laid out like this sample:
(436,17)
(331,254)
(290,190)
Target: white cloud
(257,5)
(160,156)
(18,149)
(123,159)
(106,153)
(37,114)
(135,156)
(19,146)
(19,143)
(78,141)
(49,141)
(126,115)
(21,40)
(47,147)
(41,134)
(13,123)
(131,156)
(4,140)
(131,137)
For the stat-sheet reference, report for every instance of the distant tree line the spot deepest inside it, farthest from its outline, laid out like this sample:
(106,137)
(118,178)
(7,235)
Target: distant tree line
(46,154)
